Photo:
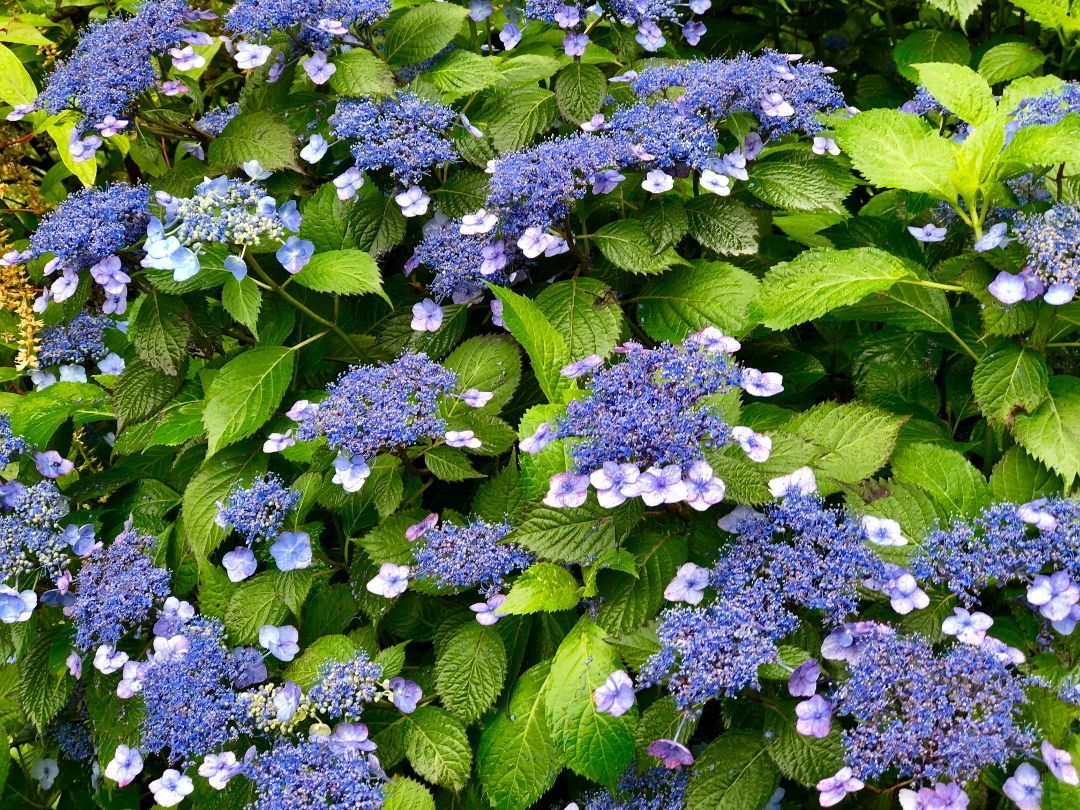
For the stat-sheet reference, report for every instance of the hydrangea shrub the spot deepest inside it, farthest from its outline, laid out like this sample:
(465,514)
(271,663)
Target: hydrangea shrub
(636,406)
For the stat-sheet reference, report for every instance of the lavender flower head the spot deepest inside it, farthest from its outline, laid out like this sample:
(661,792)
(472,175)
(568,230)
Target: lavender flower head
(10,444)
(93,224)
(469,556)
(312,775)
(116,590)
(370,409)
(258,511)
(317,22)
(342,688)
(655,789)
(1051,239)
(77,343)
(927,715)
(114,62)
(405,134)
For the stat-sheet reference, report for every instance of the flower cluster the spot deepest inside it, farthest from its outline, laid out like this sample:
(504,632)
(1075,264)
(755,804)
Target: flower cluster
(76,343)
(371,409)
(469,556)
(213,121)
(116,590)
(798,554)
(312,775)
(927,715)
(461,263)
(1051,239)
(114,62)
(223,211)
(785,96)
(405,134)
(613,428)
(1048,108)
(88,229)
(257,511)
(11,445)
(31,536)
(189,686)
(342,688)
(655,789)
(317,22)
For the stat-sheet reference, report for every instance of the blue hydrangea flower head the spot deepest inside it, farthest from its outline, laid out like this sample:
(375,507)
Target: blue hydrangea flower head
(469,556)
(258,511)
(10,444)
(930,716)
(116,590)
(1048,108)
(192,706)
(459,262)
(343,687)
(114,63)
(213,121)
(77,343)
(312,775)
(317,21)
(1052,240)
(666,132)
(370,409)
(669,385)
(406,134)
(93,224)
(654,789)
(31,535)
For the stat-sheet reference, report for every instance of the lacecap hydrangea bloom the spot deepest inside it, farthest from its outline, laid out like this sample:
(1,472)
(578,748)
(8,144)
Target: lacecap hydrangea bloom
(613,434)
(372,409)
(31,535)
(311,775)
(316,22)
(469,556)
(257,512)
(116,589)
(77,343)
(11,444)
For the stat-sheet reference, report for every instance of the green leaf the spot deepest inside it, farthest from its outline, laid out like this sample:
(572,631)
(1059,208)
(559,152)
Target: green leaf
(305,666)
(580,91)
(408,794)
(254,603)
(594,745)
(460,73)
(422,32)
(516,760)
(43,690)
(1008,379)
(260,136)
(211,483)
(489,363)
(361,73)
(16,86)
(1018,478)
(929,46)
(822,279)
(542,587)
(159,332)
(1052,433)
(450,464)
(691,297)
(545,347)
(141,391)
(584,313)
(436,744)
(960,9)
(805,759)
(500,498)
(624,244)
(855,439)
(945,475)
(896,150)
(630,600)
(1009,60)
(733,773)
(243,300)
(470,668)
(520,117)
(961,90)
(812,184)
(245,392)
(345,272)
(1044,144)
(664,220)
(721,224)
(577,534)
(85,170)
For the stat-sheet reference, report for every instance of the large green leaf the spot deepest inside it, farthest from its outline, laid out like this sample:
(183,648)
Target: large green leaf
(733,773)
(516,760)
(575,534)
(722,224)
(258,135)
(945,475)
(545,347)
(421,32)
(245,393)
(542,587)
(159,332)
(694,296)
(361,73)
(822,279)
(348,272)
(580,90)
(961,90)
(625,244)
(597,746)
(1052,433)
(469,670)
(584,313)
(437,747)
(1009,379)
